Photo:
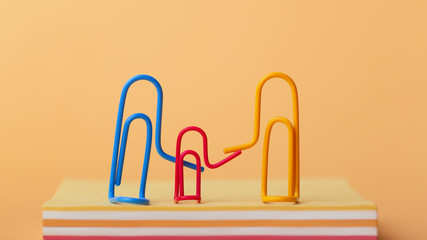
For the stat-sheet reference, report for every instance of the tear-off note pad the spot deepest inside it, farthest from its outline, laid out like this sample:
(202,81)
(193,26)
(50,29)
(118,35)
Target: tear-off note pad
(230,209)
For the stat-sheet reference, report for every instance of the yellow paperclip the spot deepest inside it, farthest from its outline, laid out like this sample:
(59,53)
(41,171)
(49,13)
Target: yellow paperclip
(293,132)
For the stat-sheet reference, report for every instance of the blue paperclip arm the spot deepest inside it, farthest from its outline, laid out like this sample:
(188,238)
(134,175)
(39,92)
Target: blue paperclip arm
(124,143)
(158,119)
(119,171)
(147,151)
(159,126)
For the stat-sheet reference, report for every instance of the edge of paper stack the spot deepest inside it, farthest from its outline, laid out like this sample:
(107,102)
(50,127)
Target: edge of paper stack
(328,209)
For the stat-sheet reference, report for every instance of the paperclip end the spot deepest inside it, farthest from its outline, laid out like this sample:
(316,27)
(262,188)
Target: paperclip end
(118,182)
(131,200)
(231,150)
(235,154)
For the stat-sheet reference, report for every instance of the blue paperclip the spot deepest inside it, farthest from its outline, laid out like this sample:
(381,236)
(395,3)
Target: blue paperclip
(116,171)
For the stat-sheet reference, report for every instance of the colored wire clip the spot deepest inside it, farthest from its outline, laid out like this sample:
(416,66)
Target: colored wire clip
(293,131)
(179,172)
(117,166)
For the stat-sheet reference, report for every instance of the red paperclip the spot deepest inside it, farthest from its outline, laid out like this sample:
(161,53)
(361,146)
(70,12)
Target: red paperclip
(179,172)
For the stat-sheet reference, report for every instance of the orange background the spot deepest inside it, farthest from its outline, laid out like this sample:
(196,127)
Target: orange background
(360,68)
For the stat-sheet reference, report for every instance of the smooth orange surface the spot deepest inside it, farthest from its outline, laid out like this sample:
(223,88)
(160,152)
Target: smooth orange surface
(360,69)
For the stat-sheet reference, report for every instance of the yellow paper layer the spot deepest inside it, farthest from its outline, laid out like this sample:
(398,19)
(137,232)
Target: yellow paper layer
(316,194)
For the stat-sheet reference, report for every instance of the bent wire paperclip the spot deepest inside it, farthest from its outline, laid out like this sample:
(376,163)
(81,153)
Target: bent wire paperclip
(293,131)
(117,166)
(179,172)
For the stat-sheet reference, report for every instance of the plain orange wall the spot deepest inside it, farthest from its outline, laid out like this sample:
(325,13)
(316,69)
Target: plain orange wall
(360,68)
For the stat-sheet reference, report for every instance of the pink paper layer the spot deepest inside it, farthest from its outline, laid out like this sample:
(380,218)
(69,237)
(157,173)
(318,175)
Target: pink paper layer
(210,237)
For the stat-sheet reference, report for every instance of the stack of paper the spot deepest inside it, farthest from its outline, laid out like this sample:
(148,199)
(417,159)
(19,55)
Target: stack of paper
(328,209)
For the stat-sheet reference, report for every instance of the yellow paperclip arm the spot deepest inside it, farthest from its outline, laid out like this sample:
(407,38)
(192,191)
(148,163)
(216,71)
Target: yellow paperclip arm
(292,169)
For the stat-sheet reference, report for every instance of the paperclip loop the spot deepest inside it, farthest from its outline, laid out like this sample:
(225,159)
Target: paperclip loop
(293,178)
(179,173)
(179,178)
(141,199)
(115,174)
(291,167)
